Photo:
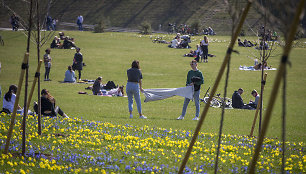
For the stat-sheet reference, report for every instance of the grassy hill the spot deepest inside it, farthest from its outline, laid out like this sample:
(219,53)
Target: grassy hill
(129,14)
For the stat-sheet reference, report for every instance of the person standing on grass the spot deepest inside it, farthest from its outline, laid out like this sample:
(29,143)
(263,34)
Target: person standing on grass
(80,22)
(195,78)
(204,46)
(134,84)
(78,62)
(47,61)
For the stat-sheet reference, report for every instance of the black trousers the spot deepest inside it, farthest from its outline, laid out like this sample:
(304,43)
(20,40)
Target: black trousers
(47,72)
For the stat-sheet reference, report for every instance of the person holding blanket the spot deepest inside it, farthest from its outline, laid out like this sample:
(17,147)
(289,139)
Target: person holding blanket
(132,88)
(195,78)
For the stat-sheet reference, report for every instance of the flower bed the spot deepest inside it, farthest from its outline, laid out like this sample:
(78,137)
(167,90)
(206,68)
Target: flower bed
(81,146)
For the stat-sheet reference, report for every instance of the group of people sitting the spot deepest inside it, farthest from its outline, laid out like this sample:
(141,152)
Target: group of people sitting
(267,34)
(245,43)
(238,103)
(180,41)
(263,45)
(201,52)
(63,42)
(48,104)
(209,31)
(109,89)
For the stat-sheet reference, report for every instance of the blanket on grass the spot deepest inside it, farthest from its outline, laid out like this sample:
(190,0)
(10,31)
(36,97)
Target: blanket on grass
(251,68)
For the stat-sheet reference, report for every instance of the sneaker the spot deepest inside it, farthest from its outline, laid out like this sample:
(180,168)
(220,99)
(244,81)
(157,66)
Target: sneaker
(180,118)
(195,118)
(143,117)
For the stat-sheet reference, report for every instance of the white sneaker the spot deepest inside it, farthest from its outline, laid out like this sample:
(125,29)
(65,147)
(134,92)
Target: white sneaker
(195,118)
(143,117)
(180,118)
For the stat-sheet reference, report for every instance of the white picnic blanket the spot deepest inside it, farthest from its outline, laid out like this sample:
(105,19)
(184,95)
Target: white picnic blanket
(251,68)
(163,93)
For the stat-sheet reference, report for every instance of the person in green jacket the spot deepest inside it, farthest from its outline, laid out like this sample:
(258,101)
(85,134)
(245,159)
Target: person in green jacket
(195,78)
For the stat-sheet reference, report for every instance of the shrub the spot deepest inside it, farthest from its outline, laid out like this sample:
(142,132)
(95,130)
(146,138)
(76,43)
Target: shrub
(145,28)
(195,27)
(99,27)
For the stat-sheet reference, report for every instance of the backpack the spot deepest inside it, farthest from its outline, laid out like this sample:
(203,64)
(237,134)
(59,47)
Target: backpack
(110,85)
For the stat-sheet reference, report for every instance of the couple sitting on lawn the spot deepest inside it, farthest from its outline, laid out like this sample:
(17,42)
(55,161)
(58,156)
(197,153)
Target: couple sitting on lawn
(237,101)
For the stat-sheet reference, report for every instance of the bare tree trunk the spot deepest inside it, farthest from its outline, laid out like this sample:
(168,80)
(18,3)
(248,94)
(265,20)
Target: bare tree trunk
(38,59)
(25,112)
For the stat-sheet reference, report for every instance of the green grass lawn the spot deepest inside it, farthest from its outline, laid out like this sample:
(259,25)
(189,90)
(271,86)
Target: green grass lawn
(110,54)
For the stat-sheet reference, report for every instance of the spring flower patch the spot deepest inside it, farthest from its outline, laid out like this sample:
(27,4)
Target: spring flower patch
(80,146)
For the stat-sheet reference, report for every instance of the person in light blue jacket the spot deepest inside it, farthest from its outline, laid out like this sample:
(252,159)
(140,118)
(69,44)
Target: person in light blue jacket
(69,75)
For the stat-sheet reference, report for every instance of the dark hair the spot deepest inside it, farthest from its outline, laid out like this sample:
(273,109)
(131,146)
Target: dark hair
(135,64)
(8,95)
(254,91)
(194,61)
(69,68)
(240,89)
(99,78)
(121,89)
(47,50)
(49,96)
(44,92)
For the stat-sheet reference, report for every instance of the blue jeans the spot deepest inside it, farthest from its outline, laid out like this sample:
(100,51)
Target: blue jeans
(80,26)
(47,72)
(132,89)
(196,98)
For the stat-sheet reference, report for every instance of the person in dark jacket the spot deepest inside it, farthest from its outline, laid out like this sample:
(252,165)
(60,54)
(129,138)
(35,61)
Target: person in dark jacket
(78,62)
(48,107)
(97,86)
(237,101)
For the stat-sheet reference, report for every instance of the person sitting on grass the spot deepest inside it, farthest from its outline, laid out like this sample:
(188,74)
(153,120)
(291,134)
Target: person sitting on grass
(248,43)
(252,103)
(174,43)
(69,75)
(55,43)
(68,44)
(9,100)
(97,86)
(62,35)
(237,101)
(48,107)
(190,54)
(240,44)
